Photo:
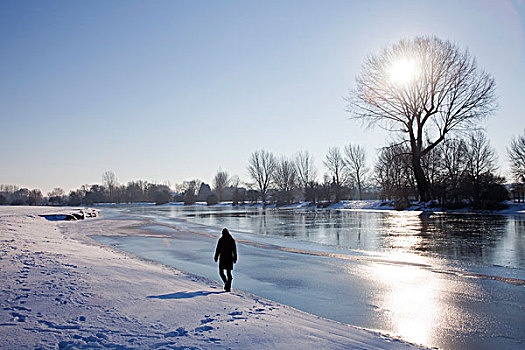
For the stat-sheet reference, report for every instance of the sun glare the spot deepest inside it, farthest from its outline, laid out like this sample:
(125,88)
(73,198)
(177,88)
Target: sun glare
(403,71)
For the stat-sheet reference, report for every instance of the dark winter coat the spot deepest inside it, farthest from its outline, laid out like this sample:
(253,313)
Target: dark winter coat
(226,252)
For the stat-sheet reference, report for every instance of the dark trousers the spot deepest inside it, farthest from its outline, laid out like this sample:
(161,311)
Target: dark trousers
(227,281)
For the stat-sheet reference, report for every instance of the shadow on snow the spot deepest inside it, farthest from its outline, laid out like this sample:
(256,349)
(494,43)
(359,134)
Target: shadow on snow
(184,295)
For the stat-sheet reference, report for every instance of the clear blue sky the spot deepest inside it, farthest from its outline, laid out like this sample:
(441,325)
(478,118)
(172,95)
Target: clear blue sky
(173,90)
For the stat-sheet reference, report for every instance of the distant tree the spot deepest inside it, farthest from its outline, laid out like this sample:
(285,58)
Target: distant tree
(135,191)
(238,196)
(422,90)
(7,192)
(480,178)
(306,173)
(57,191)
(324,190)
(453,169)
(109,180)
(20,197)
(96,194)
(220,182)
(76,197)
(204,192)
(159,194)
(56,196)
(393,172)
(335,164)
(355,162)
(3,199)
(35,197)
(261,167)
(516,155)
(212,199)
(190,191)
(481,158)
(285,179)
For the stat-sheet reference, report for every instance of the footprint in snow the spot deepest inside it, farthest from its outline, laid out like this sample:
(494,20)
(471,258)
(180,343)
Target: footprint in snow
(203,329)
(213,340)
(179,332)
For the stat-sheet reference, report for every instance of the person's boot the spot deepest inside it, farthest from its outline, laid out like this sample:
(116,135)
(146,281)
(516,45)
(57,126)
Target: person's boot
(228,286)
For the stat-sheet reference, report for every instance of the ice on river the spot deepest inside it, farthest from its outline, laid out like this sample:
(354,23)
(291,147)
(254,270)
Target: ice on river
(425,296)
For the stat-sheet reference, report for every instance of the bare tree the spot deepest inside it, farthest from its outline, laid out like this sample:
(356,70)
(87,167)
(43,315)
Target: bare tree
(220,182)
(57,192)
(481,162)
(355,162)
(422,89)
(190,189)
(261,168)
(110,182)
(516,154)
(238,193)
(285,178)
(35,197)
(393,172)
(453,169)
(306,171)
(480,156)
(335,164)
(235,181)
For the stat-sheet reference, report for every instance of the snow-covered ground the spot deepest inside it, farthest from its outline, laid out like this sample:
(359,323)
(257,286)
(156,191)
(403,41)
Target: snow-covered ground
(60,289)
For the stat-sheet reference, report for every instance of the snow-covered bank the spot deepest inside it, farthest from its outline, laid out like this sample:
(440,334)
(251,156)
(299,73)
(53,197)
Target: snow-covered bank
(61,289)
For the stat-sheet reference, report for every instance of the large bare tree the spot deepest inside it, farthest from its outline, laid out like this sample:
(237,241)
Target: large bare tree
(516,154)
(355,161)
(220,182)
(422,89)
(261,168)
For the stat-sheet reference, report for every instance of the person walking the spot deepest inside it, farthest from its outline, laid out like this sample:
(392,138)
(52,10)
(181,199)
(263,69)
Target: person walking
(226,253)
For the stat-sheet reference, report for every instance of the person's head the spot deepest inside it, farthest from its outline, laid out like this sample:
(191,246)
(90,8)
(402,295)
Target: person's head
(225,232)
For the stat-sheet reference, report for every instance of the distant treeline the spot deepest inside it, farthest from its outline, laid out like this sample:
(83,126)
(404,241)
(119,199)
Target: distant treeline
(461,172)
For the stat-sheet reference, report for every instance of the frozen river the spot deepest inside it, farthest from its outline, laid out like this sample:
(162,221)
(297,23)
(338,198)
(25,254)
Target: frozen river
(454,281)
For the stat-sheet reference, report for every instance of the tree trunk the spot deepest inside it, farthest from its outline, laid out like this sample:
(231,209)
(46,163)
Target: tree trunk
(423,186)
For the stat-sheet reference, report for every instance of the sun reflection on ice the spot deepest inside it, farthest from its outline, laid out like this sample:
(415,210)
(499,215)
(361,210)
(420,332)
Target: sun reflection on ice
(409,291)
(403,230)
(410,300)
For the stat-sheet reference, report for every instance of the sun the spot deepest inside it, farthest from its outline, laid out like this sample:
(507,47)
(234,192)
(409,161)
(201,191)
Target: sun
(403,71)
